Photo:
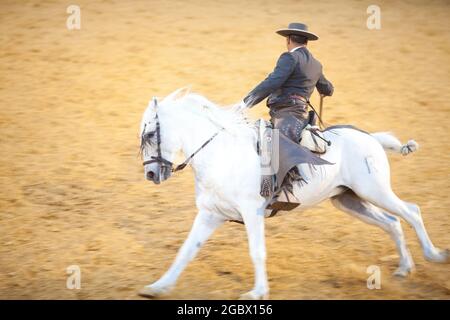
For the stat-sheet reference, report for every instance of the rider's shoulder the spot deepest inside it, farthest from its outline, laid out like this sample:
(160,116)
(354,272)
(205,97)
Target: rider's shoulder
(287,56)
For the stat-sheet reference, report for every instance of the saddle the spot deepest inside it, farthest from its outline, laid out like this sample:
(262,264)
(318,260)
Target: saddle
(278,155)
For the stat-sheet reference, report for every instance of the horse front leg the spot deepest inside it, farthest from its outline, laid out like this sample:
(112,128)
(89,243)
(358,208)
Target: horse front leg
(254,224)
(204,225)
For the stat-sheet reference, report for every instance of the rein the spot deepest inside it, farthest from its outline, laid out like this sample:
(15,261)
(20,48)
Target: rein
(314,109)
(166,163)
(182,165)
(320,121)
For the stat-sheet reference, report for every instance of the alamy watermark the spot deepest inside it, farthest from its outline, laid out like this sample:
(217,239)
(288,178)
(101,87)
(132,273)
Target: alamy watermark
(374,20)
(74,279)
(73,21)
(374,280)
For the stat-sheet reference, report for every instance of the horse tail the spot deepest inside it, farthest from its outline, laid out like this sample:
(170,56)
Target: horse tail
(392,144)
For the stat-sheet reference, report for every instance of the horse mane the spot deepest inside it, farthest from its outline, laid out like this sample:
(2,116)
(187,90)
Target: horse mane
(226,117)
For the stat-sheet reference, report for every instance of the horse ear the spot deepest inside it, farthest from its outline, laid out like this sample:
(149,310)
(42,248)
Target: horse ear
(178,94)
(155,102)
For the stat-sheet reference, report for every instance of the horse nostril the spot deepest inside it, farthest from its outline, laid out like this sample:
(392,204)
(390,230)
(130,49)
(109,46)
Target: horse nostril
(150,175)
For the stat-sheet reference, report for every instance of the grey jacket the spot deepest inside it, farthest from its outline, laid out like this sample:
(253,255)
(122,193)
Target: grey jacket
(296,73)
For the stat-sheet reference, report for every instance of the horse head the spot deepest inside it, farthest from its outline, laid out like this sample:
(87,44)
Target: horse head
(158,144)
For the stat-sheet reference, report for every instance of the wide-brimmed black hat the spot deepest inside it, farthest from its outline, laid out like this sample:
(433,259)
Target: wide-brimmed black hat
(296,28)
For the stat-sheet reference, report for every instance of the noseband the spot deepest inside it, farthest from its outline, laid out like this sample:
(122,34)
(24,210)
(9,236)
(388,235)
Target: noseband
(166,163)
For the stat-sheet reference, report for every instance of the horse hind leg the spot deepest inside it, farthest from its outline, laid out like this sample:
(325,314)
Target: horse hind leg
(350,203)
(386,199)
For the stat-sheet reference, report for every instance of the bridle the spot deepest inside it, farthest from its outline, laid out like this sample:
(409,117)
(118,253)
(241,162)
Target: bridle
(158,159)
(164,163)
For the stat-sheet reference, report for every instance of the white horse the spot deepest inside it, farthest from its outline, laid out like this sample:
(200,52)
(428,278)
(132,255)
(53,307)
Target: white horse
(227,181)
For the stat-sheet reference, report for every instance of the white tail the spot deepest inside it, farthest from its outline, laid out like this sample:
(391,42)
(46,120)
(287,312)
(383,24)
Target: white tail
(392,144)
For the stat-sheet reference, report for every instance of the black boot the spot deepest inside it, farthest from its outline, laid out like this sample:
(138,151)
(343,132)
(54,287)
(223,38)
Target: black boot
(286,187)
(292,176)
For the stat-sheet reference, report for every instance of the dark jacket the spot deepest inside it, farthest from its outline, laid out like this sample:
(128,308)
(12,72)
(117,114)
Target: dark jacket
(296,73)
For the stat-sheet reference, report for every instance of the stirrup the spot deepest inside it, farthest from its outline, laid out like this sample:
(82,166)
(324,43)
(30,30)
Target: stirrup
(276,205)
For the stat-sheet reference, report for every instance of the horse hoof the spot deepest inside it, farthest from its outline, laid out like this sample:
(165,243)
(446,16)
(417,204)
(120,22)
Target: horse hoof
(402,272)
(151,292)
(251,295)
(445,254)
(441,256)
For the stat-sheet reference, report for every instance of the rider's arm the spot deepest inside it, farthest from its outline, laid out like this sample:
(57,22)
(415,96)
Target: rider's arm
(324,86)
(285,66)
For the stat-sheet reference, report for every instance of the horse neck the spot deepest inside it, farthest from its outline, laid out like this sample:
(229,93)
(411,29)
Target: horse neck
(194,128)
(191,128)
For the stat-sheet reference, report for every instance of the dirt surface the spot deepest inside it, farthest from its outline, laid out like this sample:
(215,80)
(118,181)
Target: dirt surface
(72,186)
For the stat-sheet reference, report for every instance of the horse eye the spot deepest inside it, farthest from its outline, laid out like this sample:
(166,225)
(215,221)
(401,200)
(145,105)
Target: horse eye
(149,135)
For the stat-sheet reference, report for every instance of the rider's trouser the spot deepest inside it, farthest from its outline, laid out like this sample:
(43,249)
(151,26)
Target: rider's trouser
(290,121)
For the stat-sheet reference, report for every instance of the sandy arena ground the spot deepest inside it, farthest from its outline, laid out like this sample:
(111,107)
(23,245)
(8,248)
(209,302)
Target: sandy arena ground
(72,186)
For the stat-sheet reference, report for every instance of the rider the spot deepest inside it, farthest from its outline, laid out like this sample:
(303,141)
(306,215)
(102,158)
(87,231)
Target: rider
(291,84)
